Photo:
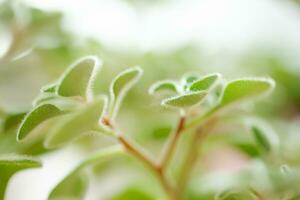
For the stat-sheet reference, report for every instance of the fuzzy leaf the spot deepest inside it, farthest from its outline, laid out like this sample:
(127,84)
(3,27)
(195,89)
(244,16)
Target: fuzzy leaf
(185,100)
(204,83)
(163,86)
(121,85)
(36,117)
(76,123)
(78,78)
(74,185)
(50,88)
(243,89)
(10,164)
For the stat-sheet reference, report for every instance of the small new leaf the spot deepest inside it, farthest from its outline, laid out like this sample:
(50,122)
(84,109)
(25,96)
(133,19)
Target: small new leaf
(79,77)
(186,100)
(76,123)
(120,86)
(163,86)
(50,88)
(205,83)
(36,117)
(243,89)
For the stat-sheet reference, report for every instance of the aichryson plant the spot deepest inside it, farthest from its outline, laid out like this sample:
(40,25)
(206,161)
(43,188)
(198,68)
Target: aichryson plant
(68,109)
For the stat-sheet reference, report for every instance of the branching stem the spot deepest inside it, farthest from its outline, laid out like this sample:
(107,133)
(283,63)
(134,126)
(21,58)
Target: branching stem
(170,147)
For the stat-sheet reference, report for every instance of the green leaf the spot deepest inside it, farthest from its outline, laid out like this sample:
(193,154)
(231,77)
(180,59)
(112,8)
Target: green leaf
(120,86)
(163,86)
(133,193)
(50,88)
(261,139)
(13,120)
(79,77)
(36,117)
(76,123)
(10,164)
(74,185)
(243,89)
(186,100)
(205,83)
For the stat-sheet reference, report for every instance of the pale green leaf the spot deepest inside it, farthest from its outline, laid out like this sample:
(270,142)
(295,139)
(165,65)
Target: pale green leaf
(74,185)
(120,86)
(163,86)
(79,77)
(36,117)
(76,123)
(204,83)
(186,100)
(12,163)
(243,89)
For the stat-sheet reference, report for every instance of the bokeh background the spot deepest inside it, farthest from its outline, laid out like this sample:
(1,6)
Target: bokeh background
(167,38)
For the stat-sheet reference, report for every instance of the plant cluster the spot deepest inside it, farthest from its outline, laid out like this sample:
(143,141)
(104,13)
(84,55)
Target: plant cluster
(68,109)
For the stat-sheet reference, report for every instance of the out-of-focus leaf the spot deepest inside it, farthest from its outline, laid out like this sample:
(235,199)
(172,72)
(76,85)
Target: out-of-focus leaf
(133,193)
(236,195)
(120,86)
(78,78)
(10,164)
(247,148)
(12,120)
(261,139)
(36,117)
(186,100)
(76,123)
(243,89)
(205,83)
(74,185)
(163,86)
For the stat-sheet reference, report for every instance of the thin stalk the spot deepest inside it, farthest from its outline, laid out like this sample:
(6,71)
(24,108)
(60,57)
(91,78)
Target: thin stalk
(170,146)
(139,153)
(193,153)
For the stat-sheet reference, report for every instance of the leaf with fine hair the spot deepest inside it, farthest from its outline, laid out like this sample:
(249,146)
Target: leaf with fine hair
(205,82)
(36,117)
(73,125)
(120,86)
(12,163)
(163,86)
(244,89)
(50,88)
(186,100)
(79,77)
(74,185)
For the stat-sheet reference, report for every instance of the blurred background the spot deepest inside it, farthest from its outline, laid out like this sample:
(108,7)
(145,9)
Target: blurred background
(167,38)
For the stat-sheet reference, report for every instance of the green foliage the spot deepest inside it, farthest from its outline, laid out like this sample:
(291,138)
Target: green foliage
(245,89)
(164,86)
(10,164)
(120,86)
(78,78)
(132,194)
(261,139)
(204,83)
(186,100)
(74,185)
(36,117)
(72,125)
